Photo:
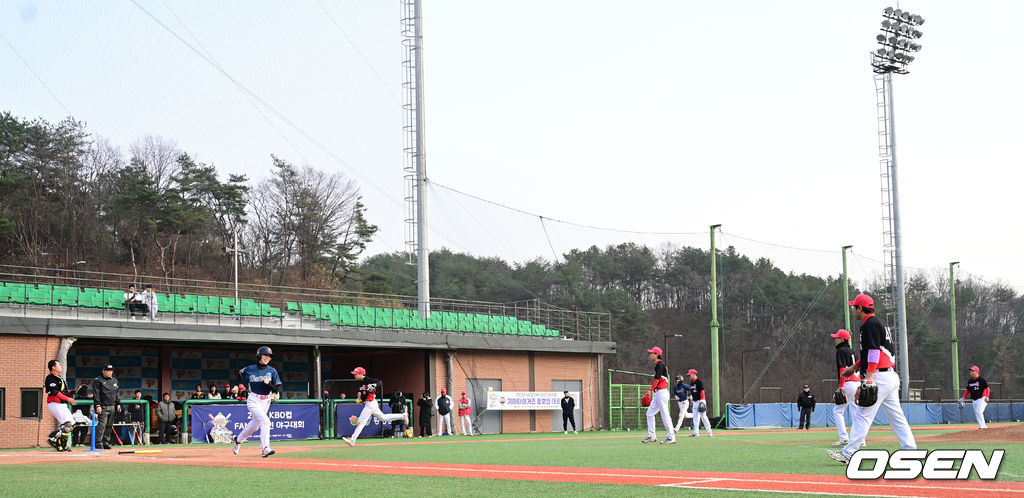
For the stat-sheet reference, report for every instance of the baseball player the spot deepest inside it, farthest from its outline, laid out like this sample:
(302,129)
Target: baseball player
(264,386)
(56,394)
(465,410)
(368,397)
(659,400)
(682,392)
(979,392)
(443,405)
(877,365)
(700,405)
(847,384)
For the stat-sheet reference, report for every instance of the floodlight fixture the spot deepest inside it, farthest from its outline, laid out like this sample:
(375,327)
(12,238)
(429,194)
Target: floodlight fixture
(898,32)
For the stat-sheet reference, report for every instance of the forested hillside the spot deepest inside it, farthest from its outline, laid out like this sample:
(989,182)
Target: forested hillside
(69,196)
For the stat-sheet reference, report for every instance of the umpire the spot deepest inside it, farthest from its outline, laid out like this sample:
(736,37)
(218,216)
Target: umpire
(104,390)
(806,403)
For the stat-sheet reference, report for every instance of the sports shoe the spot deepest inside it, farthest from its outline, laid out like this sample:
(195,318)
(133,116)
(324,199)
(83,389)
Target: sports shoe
(838,456)
(841,442)
(348,441)
(669,440)
(53,442)
(649,439)
(268,451)
(574,431)
(235,445)
(694,435)
(566,432)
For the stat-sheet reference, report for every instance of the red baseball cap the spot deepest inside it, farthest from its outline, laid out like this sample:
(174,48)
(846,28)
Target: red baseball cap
(463,392)
(862,300)
(443,389)
(692,371)
(359,371)
(974,368)
(842,334)
(656,350)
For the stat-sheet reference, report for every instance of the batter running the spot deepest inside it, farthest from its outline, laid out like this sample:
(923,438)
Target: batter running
(263,380)
(368,396)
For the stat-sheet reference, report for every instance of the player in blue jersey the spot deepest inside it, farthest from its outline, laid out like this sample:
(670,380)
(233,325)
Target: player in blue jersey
(264,385)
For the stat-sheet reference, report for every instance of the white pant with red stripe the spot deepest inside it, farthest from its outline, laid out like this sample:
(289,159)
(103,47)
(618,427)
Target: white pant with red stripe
(979,412)
(839,411)
(371,408)
(698,416)
(888,383)
(659,403)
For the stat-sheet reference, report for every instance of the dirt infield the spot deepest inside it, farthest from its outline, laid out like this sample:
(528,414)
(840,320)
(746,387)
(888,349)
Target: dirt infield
(995,434)
(823,484)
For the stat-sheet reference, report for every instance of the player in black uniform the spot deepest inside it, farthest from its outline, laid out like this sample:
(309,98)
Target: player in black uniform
(57,394)
(368,397)
(979,392)
(700,404)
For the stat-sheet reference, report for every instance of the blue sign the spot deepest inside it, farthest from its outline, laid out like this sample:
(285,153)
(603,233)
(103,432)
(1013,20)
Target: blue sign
(345,427)
(217,423)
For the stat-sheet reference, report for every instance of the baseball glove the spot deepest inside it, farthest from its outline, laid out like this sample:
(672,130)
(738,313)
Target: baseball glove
(646,399)
(960,403)
(867,394)
(839,397)
(702,407)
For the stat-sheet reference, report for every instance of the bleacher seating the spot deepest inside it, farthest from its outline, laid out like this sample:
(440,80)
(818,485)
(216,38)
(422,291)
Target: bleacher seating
(340,315)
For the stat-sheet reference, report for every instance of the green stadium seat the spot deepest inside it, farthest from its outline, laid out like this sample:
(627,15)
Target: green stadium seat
(36,296)
(525,327)
(417,323)
(465,322)
(90,298)
(401,319)
(365,316)
(435,322)
(292,307)
(383,317)
(347,316)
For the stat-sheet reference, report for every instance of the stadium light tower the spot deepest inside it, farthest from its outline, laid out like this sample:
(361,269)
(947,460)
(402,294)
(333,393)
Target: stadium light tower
(896,44)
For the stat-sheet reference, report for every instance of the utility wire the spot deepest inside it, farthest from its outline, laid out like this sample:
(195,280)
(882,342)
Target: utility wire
(358,52)
(34,73)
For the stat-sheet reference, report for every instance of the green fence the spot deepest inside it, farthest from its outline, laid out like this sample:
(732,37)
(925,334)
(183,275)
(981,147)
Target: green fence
(624,410)
(88,402)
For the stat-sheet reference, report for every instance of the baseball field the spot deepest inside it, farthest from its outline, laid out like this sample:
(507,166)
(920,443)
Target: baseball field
(732,463)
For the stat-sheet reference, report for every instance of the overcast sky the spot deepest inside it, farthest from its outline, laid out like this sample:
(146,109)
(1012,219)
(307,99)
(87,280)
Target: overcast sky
(649,116)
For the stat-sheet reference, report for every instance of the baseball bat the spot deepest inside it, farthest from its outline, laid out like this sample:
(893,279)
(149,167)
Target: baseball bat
(138,452)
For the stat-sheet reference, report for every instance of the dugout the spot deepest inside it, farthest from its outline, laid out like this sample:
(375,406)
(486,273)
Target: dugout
(159,357)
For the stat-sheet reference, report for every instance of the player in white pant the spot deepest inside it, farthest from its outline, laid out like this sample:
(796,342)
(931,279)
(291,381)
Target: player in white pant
(700,405)
(368,396)
(444,403)
(682,392)
(56,395)
(659,400)
(978,391)
(849,385)
(879,368)
(264,384)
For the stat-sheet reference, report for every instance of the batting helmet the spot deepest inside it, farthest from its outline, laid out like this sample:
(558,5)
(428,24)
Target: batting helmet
(264,350)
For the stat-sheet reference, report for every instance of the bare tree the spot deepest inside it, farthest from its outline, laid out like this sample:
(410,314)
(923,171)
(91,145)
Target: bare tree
(159,157)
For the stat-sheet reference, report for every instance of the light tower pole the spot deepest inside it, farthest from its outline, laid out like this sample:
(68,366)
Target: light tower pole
(415,150)
(897,42)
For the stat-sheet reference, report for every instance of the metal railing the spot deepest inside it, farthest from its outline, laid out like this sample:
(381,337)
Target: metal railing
(273,302)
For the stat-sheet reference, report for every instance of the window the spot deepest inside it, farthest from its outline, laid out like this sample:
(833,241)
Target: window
(3,403)
(31,403)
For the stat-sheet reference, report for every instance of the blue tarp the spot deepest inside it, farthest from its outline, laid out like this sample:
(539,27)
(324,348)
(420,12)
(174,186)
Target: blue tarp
(788,415)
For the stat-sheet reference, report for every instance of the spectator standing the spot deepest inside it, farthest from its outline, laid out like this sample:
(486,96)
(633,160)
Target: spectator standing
(133,301)
(213,394)
(465,412)
(568,413)
(426,406)
(397,404)
(443,405)
(806,404)
(149,299)
(104,390)
(165,414)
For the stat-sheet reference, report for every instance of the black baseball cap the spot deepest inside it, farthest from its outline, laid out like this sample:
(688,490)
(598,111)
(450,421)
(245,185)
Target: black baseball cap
(565,391)
(108,367)
(806,386)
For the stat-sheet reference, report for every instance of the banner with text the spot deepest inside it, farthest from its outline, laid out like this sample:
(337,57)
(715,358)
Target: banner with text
(217,423)
(528,400)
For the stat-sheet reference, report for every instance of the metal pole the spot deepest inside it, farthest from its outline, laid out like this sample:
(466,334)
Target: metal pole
(846,290)
(953,342)
(234,254)
(422,249)
(714,325)
(901,300)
